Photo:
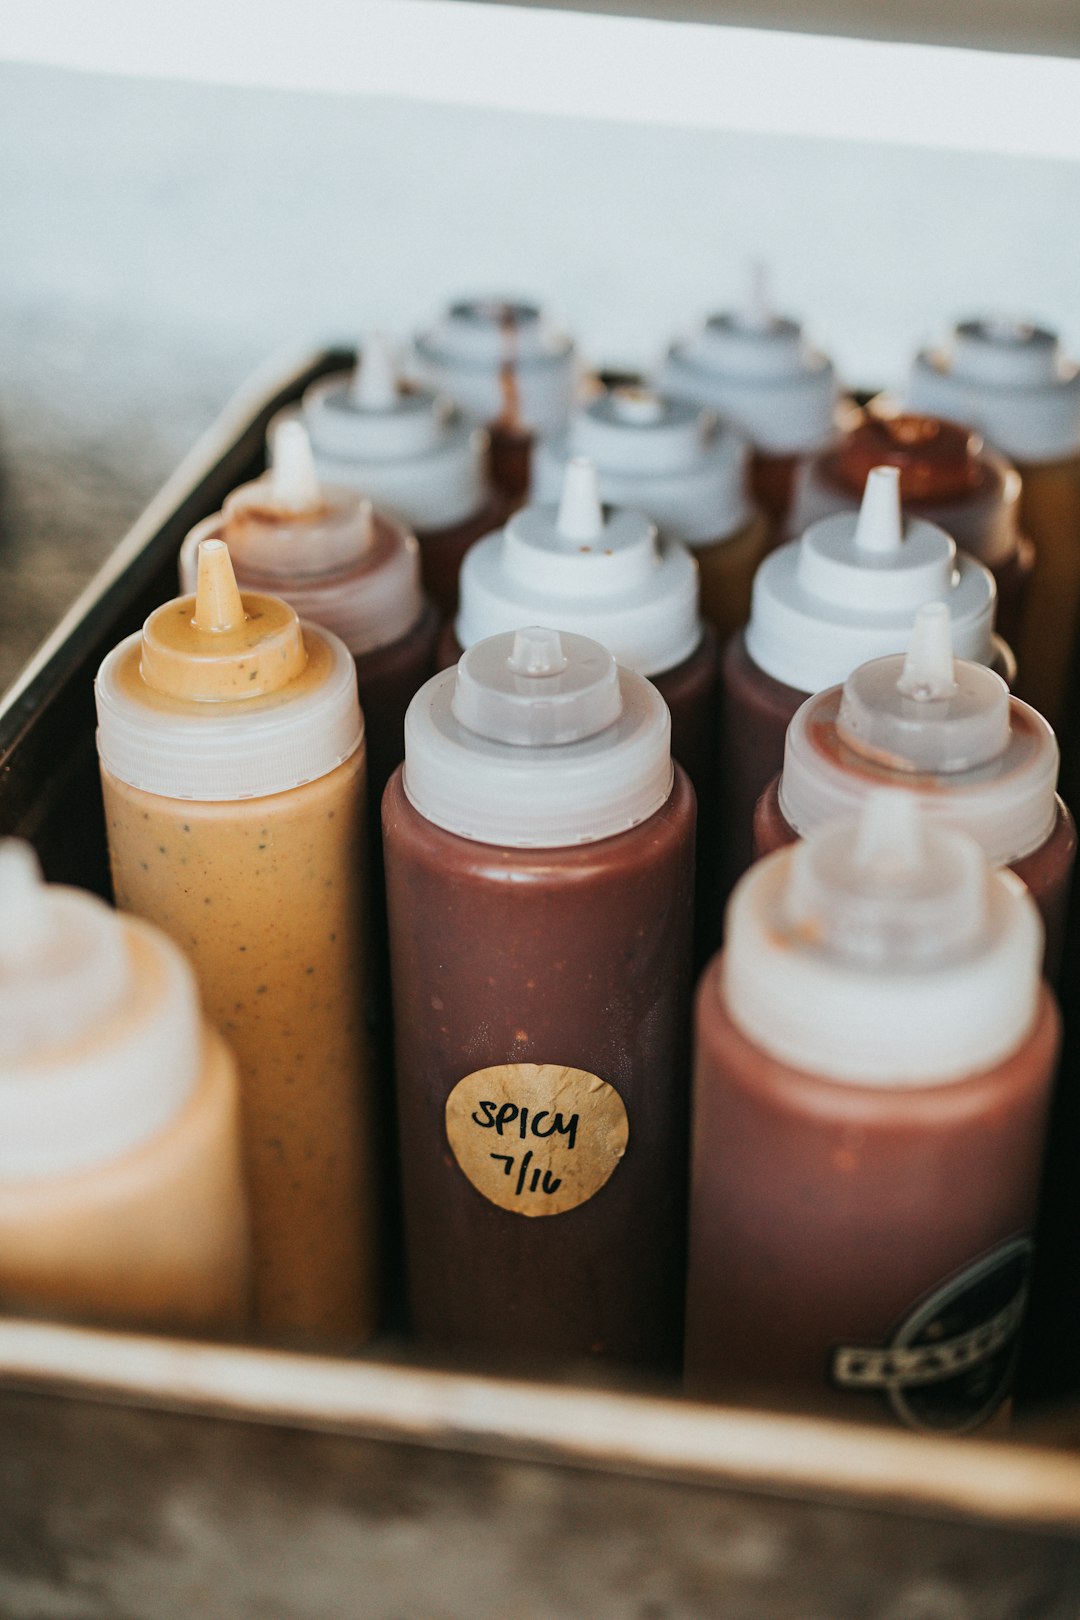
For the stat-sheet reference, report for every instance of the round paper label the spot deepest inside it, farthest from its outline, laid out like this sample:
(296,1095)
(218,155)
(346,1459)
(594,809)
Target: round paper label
(536,1138)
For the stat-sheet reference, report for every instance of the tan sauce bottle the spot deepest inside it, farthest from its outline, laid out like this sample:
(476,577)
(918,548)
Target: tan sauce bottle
(875,1052)
(232,761)
(411,451)
(121,1188)
(1011,380)
(674,461)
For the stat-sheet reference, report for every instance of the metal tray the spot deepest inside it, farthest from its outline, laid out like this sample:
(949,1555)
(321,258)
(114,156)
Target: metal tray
(144,1478)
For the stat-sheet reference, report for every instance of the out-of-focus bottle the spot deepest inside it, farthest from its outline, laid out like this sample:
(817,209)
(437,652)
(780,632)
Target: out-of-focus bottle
(121,1188)
(342,564)
(758,370)
(688,472)
(410,451)
(1011,380)
(502,362)
(947,476)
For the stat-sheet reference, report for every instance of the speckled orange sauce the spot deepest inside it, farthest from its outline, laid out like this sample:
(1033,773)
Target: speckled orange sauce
(264,896)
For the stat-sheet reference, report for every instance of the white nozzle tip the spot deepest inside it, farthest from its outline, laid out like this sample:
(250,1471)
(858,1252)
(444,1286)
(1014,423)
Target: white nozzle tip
(293,481)
(581,516)
(880,526)
(23,915)
(537,652)
(928,668)
(759,313)
(375,380)
(889,835)
(218,605)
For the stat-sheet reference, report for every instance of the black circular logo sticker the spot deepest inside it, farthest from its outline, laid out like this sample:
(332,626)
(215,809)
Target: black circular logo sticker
(949,1364)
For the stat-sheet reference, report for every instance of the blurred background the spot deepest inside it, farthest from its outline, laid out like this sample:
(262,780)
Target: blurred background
(162,236)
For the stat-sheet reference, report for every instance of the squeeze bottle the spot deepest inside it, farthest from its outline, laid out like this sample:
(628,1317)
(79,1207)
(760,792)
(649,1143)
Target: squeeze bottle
(1012,381)
(875,1049)
(539,866)
(410,451)
(232,761)
(121,1188)
(674,461)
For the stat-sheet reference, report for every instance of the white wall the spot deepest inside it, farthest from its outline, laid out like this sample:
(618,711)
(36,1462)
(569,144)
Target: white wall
(240,218)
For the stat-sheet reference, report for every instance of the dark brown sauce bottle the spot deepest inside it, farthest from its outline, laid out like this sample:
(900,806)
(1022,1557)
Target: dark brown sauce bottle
(539,862)
(947,476)
(948,733)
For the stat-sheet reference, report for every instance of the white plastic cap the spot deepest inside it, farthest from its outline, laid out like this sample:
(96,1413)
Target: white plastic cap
(484,349)
(944,730)
(406,448)
(758,369)
(537,740)
(341,564)
(668,458)
(848,591)
(100,1033)
(883,951)
(984,521)
(604,576)
(1009,379)
(174,712)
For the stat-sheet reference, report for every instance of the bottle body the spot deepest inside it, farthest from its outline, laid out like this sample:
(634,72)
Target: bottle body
(387,679)
(1047,639)
(264,896)
(845,1238)
(756,711)
(157,1238)
(1046,871)
(576,956)
(726,569)
(442,551)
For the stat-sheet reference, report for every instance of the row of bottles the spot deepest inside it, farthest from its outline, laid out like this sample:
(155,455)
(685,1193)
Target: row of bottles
(539,846)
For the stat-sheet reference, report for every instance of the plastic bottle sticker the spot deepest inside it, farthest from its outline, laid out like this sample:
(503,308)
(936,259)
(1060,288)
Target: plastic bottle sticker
(536,1138)
(949,1364)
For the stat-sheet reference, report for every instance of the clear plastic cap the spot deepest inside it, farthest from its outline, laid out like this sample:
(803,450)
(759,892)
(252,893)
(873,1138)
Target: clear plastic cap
(1010,379)
(226,695)
(100,1031)
(849,589)
(669,458)
(944,729)
(404,446)
(883,950)
(598,574)
(757,368)
(323,548)
(537,739)
(500,360)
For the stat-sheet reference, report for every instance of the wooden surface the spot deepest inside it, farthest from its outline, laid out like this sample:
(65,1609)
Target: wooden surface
(122,1515)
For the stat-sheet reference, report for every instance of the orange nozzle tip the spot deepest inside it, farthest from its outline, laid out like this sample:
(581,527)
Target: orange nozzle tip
(218,605)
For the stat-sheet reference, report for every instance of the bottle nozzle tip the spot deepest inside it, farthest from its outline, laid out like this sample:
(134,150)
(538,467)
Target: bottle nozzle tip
(218,605)
(889,831)
(293,481)
(880,525)
(375,380)
(581,516)
(928,670)
(537,652)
